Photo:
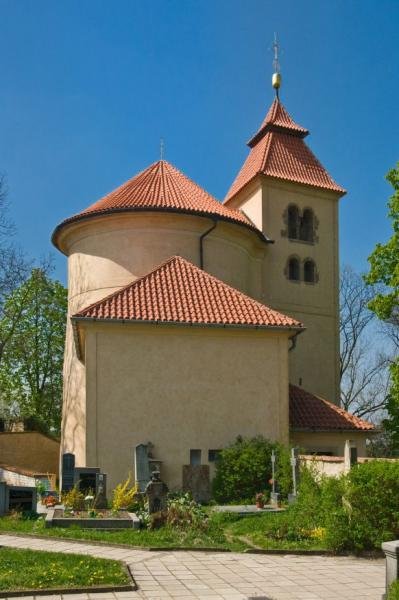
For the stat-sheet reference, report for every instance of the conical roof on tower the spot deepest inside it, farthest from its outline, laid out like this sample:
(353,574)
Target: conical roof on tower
(161,187)
(278,150)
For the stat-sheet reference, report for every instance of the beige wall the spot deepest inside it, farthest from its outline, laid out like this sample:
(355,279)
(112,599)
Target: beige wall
(334,442)
(106,253)
(315,362)
(29,450)
(180,388)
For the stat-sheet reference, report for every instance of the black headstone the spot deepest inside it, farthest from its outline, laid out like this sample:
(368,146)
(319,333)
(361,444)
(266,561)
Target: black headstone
(68,467)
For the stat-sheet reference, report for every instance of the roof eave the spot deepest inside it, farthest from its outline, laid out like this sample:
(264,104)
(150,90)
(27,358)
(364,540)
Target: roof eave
(332,430)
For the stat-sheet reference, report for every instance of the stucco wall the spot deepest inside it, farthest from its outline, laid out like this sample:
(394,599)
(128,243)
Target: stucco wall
(29,450)
(334,442)
(180,388)
(315,362)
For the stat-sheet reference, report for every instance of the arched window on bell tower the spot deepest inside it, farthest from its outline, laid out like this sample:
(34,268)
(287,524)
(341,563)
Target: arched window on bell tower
(309,271)
(306,232)
(293,221)
(294,269)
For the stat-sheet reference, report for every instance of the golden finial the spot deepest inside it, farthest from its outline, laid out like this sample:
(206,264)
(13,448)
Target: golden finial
(276,77)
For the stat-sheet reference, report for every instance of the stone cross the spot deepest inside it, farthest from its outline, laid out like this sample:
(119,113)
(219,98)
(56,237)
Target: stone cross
(273,472)
(295,473)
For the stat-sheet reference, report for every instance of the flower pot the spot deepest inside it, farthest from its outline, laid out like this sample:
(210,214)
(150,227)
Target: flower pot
(260,504)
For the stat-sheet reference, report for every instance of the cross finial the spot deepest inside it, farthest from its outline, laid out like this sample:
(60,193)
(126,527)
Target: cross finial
(162,148)
(276,78)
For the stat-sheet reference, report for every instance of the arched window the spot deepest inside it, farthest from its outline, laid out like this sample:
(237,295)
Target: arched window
(307,226)
(293,221)
(294,269)
(309,271)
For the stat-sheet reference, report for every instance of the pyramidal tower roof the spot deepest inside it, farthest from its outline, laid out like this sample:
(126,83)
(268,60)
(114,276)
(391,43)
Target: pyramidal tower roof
(278,150)
(160,187)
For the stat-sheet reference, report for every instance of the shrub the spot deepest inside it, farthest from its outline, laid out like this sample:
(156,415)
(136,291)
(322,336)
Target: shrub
(124,495)
(356,512)
(369,511)
(244,468)
(74,499)
(183,511)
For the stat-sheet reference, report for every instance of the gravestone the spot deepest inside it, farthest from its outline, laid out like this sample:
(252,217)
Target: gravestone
(86,479)
(68,468)
(142,466)
(196,480)
(100,500)
(156,492)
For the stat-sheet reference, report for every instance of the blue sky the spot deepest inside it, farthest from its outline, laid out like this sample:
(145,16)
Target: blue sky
(88,88)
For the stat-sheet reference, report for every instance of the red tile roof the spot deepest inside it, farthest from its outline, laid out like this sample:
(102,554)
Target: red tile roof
(310,412)
(278,150)
(179,292)
(160,187)
(278,119)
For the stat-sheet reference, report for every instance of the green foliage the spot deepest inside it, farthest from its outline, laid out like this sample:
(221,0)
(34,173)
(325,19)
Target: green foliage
(183,512)
(125,495)
(394,591)
(33,322)
(384,269)
(74,499)
(357,511)
(244,469)
(36,570)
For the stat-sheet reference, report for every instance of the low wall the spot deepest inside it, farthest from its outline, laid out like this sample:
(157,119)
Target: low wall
(334,466)
(30,450)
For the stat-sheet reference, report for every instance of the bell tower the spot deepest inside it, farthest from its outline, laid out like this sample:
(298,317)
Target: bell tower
(286,192)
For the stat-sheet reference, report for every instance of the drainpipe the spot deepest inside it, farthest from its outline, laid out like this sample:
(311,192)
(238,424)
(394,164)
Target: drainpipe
(293,341)
(201,240)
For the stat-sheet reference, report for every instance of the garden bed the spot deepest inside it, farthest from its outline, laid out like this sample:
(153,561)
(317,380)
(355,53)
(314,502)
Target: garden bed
(100,519)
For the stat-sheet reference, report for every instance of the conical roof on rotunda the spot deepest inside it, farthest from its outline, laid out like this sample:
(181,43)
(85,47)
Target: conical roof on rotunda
(161,187)
(278,150)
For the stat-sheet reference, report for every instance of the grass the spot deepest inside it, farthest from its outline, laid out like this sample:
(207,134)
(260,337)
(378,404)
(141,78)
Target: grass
(394,591)
(225,531)
(33,569)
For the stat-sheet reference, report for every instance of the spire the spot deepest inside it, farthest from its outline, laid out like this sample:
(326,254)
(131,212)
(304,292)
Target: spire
(276,77)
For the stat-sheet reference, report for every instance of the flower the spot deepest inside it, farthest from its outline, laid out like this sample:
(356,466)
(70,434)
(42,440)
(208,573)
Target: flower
(88,498)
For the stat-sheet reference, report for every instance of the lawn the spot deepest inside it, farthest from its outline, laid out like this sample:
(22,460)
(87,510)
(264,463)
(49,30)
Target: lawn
(224,531)
(32,569)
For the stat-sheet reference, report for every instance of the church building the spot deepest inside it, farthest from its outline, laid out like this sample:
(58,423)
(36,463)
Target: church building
(192,321)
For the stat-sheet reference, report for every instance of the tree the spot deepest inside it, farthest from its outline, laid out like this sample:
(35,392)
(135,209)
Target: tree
(14,268)
(31,366)
(384,270)
(363,370)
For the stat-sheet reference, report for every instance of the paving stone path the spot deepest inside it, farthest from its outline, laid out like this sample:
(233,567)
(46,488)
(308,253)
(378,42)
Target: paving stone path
(226,576)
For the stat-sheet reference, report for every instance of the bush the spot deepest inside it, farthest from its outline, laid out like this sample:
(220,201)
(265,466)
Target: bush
(357,511)
(183,511)
(124,495)
(244,468)
(369,511)
(74,499)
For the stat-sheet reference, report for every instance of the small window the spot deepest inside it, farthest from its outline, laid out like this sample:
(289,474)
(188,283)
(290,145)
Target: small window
(309,271)
(213,455)
(293,269)
(195,457)
(293,222)
(307,226)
